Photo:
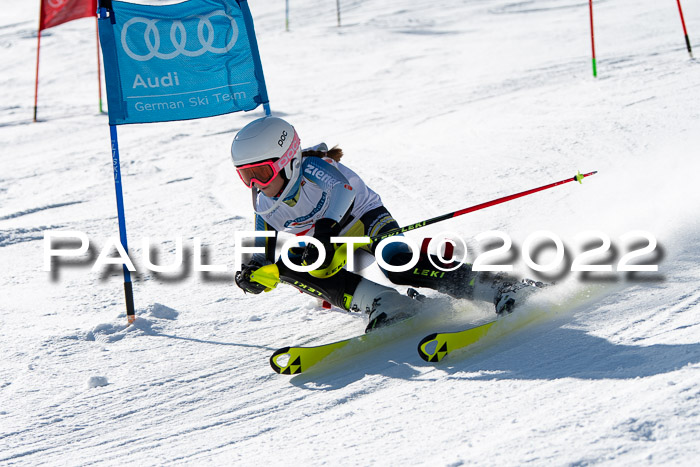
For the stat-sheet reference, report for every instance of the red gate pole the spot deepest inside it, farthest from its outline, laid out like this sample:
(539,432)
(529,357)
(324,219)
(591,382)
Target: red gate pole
(38,46)
(99,72)
(590,8)
(685,31)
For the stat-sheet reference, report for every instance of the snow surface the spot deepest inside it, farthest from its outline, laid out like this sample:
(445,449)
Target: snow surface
(438,105)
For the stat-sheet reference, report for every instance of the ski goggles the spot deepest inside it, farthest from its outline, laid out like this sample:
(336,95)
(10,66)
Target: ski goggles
(263,173)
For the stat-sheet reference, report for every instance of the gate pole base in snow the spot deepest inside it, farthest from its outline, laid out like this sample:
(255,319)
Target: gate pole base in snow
(128,289)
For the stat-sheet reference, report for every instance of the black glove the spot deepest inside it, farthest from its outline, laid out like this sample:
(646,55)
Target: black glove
(243,278)
(324,230)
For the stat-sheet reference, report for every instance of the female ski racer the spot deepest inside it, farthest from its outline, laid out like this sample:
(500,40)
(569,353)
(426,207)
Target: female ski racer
(311,193)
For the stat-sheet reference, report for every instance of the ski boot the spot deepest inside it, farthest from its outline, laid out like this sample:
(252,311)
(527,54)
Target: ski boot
(382,304)
(511,295)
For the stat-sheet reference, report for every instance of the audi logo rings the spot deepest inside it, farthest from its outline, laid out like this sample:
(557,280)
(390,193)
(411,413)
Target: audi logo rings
(151,37)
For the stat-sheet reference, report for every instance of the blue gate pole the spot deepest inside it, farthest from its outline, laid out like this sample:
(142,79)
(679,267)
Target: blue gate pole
(128,289)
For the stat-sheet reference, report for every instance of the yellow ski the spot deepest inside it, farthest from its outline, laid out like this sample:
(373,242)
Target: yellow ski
(434,347)
(294,360)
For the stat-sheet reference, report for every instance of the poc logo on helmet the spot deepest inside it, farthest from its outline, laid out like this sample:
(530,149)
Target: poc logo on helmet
(283,138)
(291,152)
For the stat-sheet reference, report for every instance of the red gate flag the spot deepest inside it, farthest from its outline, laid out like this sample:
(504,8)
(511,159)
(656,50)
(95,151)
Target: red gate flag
(55,12)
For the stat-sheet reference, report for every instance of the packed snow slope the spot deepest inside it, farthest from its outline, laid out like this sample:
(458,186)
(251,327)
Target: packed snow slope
(438,105)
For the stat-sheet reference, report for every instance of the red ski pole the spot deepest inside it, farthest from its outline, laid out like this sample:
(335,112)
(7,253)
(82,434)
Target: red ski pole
(576,178)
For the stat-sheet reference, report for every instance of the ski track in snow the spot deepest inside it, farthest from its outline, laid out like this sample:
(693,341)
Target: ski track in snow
(438,107)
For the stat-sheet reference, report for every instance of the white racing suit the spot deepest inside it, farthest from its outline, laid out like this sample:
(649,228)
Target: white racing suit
(328,189)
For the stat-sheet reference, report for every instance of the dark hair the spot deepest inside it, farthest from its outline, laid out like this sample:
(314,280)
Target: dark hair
(334,153)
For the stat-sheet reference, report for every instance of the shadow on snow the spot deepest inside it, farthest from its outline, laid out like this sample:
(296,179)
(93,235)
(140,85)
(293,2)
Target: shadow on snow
(547,352)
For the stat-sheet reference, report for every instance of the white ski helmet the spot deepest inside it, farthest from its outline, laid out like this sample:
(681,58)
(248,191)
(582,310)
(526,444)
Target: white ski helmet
(269,139)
